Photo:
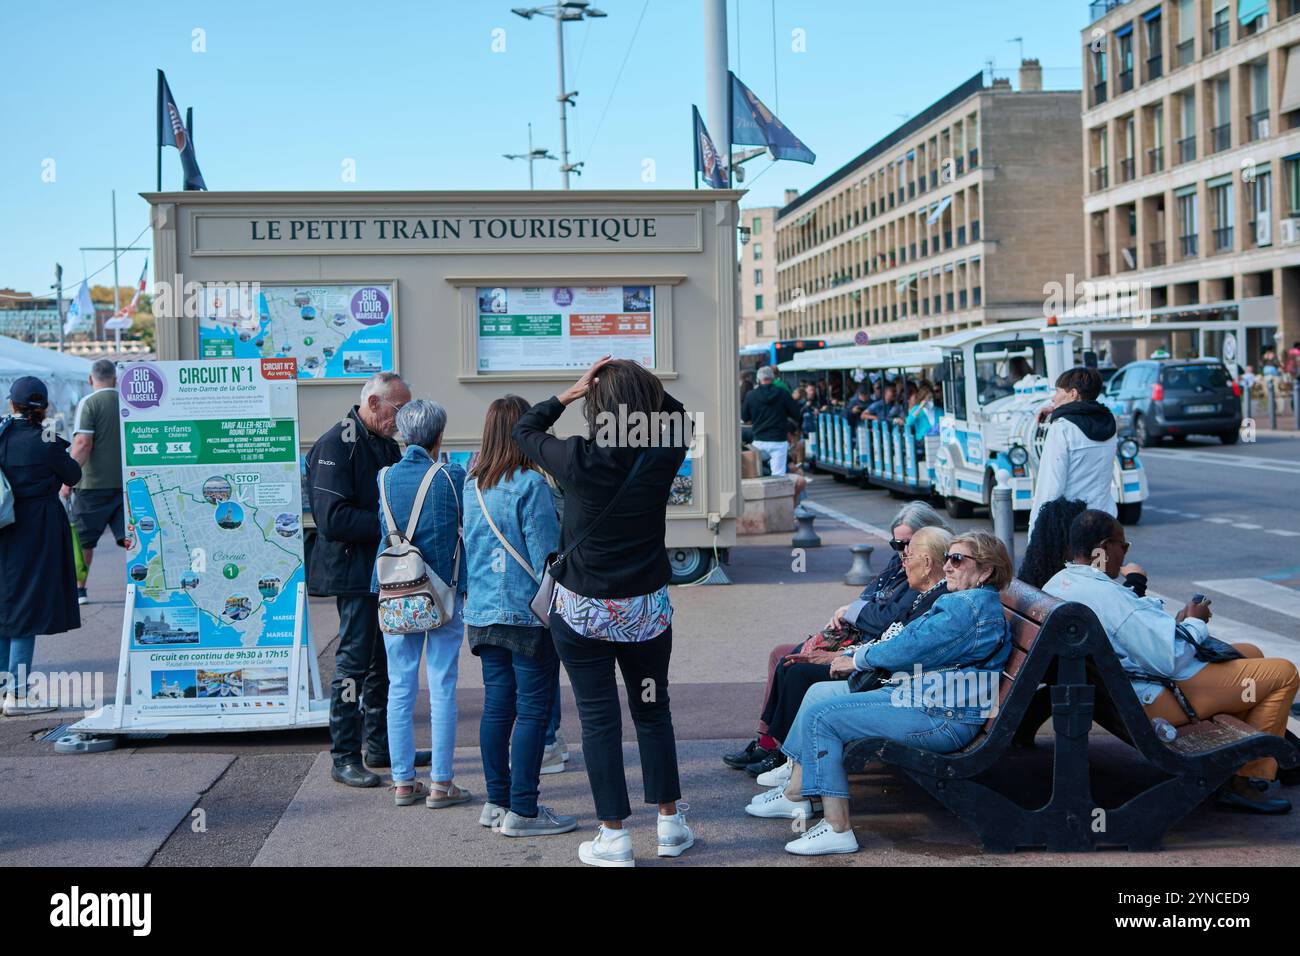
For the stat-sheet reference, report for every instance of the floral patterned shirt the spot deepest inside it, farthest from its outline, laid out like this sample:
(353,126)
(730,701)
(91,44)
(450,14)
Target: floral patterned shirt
(624,620)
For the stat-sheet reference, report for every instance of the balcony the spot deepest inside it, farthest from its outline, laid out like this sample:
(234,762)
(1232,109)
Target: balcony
(1187,246)
(1155,160)
(1156,254)
(1257,125)
(1155,67)
(1218,37)
(1125,80)
(1220,138)
(1100,178)
(1126,169)
(1187,149)
(1103,264)
(1099,93)
(1186,52)
(1223,239)
(1099,8)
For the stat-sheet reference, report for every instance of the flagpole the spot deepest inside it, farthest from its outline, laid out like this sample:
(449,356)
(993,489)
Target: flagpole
(160,128)
(117,333)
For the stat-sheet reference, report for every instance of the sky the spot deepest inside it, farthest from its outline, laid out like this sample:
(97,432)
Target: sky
(428,94)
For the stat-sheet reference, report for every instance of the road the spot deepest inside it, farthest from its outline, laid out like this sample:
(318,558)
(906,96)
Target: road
(1224,521)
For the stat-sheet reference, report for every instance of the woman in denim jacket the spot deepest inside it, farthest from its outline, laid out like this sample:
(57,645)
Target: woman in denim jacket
(510,529)
(945,667)
(437,535)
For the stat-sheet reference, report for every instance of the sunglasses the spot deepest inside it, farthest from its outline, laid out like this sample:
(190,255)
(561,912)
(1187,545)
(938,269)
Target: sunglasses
(956,558)
(898,545)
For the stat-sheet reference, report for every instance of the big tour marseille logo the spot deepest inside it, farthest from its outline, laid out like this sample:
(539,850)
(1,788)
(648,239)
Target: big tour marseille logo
(142,386)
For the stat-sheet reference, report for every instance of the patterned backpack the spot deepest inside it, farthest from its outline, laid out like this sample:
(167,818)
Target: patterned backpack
(412,597)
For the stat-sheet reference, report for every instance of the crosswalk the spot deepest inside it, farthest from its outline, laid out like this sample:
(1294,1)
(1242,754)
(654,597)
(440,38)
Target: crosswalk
(1189,456)
(1233,521)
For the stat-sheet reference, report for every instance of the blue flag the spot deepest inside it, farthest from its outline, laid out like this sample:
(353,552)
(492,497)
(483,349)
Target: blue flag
(707,160)
(172,132)
(753,124)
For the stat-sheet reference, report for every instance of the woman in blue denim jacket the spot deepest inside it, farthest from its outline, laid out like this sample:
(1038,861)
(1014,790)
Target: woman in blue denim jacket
(510,529)
(437,535)
(946,671)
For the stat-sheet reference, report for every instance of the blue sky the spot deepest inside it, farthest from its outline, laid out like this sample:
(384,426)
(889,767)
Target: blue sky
(414,94)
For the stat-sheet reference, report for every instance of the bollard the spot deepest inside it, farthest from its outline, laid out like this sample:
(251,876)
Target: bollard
(1272,403)
(859,572)
(804,536)
(1004,516)
(1247,397)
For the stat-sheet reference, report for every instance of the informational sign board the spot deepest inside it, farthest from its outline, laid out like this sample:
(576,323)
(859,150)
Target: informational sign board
(214,511)
(562,327)
(333,331)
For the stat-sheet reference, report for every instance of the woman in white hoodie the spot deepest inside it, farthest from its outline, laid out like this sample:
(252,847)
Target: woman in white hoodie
(1078,456)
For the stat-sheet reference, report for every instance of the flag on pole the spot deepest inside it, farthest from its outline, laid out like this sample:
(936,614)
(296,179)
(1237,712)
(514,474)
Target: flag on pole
(753,124)
(80,312)
(123,317)
(707,161)
(172,132)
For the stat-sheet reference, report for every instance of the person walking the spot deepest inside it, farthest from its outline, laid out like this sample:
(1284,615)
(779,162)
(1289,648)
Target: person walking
(1078,454)
(610,604)
(772,412)
(37,589)
(510,529)
(420,485)
(97,448)
(342,471)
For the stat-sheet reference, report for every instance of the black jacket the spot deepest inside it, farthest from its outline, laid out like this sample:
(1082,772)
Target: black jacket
(624,556)
(1095,420)
(883,601)
(38,587)
(342,476)
(773,412)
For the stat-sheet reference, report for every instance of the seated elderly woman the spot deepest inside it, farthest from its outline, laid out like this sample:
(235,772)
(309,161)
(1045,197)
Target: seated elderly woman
(881,602)
(923,565)
(936,682)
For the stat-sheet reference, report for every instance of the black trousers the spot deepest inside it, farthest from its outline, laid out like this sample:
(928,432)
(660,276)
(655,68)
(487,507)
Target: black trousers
(789,685)
(590,665)
(359,691)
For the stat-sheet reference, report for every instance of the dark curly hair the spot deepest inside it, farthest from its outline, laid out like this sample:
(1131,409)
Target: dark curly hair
(1049,541)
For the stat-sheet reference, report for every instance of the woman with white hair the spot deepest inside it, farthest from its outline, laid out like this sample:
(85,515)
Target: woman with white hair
(437,534)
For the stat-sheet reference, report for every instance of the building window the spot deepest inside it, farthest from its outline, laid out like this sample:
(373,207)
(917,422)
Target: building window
(758,277)
(1187,142)
(1257,121)
(1261,208)
(1186,31)
(758,251)
(1156,154)
(1126,60)
(1219,26)
(1098,77)
(1155,47)
(1291,183)
(758,303)
(1221,201)
(1187,220)
(1221,134)
(758,226)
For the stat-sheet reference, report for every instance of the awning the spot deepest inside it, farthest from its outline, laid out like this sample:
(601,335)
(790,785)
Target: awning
(1152,14)
(1185,191)
(1259,169)
(1217,181)
(1291,90)
(947,201)
(1125,30)
(1250,10)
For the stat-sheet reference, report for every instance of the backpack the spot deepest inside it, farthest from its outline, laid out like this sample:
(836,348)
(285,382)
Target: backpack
(6,491)
(412,598)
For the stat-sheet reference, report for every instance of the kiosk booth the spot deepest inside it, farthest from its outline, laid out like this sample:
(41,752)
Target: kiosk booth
(472,295)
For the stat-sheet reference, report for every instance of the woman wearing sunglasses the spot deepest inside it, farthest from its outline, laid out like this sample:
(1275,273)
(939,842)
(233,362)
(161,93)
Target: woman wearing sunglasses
(942,676)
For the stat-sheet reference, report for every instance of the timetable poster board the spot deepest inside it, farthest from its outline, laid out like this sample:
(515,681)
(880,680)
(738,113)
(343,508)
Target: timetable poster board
(333,331)
(563,327)
(214,511)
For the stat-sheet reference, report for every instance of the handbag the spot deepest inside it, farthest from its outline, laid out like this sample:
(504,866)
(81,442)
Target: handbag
(1211,650)
(541,603)
(412,597)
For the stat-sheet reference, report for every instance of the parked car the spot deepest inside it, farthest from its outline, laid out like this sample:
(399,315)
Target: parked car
(1159,398)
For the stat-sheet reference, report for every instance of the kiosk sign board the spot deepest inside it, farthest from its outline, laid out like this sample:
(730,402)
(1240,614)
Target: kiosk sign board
(210,474)
(562,327)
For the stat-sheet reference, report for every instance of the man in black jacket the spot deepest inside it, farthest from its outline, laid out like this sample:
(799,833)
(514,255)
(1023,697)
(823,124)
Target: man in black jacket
(774,415)
(342,472)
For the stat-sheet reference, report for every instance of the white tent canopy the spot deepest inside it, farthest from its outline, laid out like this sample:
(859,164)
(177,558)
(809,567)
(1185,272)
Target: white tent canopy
(67,377)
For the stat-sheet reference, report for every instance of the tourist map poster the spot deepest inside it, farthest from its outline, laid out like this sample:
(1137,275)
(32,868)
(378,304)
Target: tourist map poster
(334,331)
(214,511)
(563,327)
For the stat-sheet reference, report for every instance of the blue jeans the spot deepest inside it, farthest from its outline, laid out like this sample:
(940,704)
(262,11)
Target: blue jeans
(828,719)
(16,655)
(518,693)
(553,726)
(442,664)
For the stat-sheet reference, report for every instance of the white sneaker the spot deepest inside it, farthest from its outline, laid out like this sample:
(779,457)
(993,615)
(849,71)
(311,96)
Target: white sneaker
(821,840)
(610,848)
(13,707)
(777,777)
(553,758)
(492,815)
(675,837)
(774,804)
(563,745)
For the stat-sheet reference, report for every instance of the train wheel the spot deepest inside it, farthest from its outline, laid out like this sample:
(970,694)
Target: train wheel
(688,564)
(1130,513)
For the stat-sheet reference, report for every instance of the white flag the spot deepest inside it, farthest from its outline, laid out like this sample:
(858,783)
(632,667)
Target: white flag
(81,312)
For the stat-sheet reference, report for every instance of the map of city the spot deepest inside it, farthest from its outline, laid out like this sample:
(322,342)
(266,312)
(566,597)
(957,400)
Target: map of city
(334,331)
(228,544)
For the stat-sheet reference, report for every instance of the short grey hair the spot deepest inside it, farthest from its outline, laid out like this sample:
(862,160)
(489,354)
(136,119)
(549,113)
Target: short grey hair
(104,371)
(917,515)
(765,374)
(421,422)
(379,384)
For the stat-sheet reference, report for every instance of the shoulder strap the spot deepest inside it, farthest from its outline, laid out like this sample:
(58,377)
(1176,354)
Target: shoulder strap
(420,495)
(383,502)
(636,466)
(500,537)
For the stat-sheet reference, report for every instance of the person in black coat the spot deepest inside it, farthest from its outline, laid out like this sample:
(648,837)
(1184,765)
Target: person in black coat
(343,478)
(38,589)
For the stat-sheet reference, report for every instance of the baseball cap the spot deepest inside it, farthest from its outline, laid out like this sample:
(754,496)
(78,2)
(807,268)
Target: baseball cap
(29,391)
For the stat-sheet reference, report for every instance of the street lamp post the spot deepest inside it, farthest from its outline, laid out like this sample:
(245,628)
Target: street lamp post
(569,10)
(532,155)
